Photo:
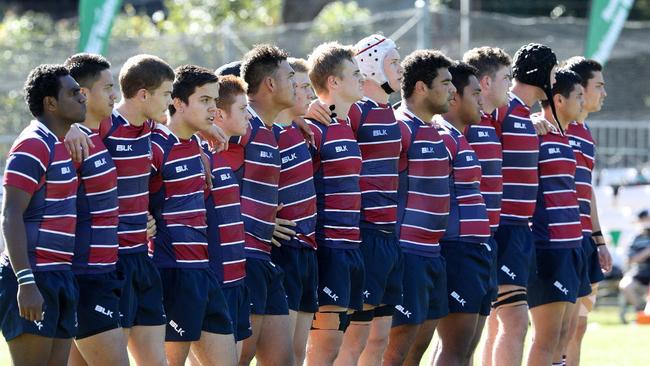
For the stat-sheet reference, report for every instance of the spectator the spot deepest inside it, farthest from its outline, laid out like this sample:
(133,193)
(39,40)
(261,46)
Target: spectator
(634,284)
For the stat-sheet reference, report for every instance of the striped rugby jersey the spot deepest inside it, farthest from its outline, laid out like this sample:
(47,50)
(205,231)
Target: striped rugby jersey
(379,138)
(176,201)
(556,222)
(520,154)
(130,148)
(337,167)
(468,219)
(39,164)
(424,170)
(225,225)
(484,141)
(584,148)
(255,159)
(96,243)
(296,186)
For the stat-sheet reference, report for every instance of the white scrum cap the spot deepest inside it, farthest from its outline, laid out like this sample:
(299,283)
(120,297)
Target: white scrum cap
(371,52)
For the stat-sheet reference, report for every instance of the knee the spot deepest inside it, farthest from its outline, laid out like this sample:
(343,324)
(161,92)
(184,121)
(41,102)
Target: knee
(377,342)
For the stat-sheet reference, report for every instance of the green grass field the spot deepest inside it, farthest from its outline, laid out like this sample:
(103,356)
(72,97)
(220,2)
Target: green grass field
(607,343)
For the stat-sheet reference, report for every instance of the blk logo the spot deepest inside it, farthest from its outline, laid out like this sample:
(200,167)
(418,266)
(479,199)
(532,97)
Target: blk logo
(507,271)
(520,126)
(181,168)
(561,287)
(483,134)
(331,293)
(102,310)
(177,328)
(457,297)
(403,310)
(366,294)
(100,162)
(225,176)
(340,149)
(376,133)
(286,159)
(124,148)
(427,150)
(553,150)
(266,154)
(66,170)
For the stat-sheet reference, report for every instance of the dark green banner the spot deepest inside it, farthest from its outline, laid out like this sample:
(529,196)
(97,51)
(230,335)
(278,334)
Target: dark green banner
(606,21)
(95,23)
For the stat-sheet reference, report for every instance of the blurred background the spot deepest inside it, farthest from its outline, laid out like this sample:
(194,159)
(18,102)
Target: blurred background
(213,32)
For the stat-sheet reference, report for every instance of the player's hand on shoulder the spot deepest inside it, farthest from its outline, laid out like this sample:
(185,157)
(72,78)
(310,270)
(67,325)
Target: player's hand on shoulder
(319,112)
(77,143)
(543,127)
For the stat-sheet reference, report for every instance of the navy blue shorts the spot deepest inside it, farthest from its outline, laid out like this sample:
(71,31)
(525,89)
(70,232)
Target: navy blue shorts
(142,294)
(384,266)
(60,296)
(494,270)
(516,254)
(300,267)
(264,282)
(557,278)
(468,277)
(340,277)
(593,261)
(239,307)
(425,290)
(98,309)
(193,303)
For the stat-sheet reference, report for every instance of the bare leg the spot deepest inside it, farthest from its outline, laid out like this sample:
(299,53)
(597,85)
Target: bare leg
(421,343)
(177,352)
(547,328)
(147,344)
(325,338)
(477,337)
(215,349)
(249,345)
(400,340)
(377,341)
(60,351)
(106,348)
(492,330)
(509,344)
(274,346)
(456,334)
(75,358)
(29,349)
(354,341)
(303,324)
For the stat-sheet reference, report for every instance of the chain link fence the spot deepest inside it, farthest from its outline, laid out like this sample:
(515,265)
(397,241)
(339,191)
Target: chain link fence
(628,95)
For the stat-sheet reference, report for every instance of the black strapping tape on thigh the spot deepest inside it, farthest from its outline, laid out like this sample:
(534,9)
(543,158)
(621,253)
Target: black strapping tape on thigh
(501,294)
(384,310)
(344,320)
(512,299)
(362,316)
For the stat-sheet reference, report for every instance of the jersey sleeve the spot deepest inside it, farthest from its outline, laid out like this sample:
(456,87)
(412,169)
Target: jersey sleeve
(354,114)
(27,164)
(406,145)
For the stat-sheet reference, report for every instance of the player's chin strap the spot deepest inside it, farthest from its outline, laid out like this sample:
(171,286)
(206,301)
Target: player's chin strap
(549,98)
(387,88)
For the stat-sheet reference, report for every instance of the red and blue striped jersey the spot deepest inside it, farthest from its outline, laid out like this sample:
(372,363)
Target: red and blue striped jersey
(423,206)
(97,210)
(130,148)
(296,190)
(556,222)
(39,164)
(584,148)
(379,138)
(468,219)
(255,159)
(225,225)
(337,167)
(520,154)
(176,201)
(487,145)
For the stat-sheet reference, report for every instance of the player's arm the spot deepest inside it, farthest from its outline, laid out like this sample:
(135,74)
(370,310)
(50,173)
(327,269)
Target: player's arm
(215,136)
(282,228)
(320,112)
(14,204)
(603,251)
(77,143)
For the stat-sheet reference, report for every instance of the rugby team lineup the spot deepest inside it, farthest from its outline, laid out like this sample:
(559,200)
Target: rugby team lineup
(282,209)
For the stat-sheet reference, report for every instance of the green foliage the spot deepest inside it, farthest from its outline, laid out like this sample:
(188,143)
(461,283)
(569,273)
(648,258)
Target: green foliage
(335,19)
(192,16)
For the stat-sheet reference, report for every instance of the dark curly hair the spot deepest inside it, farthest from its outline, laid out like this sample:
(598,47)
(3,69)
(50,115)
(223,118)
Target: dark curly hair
(86,67)
(422,65)
(188,78)
(460,74)
(262,61)
(43,81)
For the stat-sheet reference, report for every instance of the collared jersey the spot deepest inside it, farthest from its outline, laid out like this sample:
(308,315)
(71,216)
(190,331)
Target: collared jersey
(484,141)
(556,222)
(337,166)
(520,154)
(584,148)
(177,202)
(255,159)
(296,190)
(225,225)
(96,243)
(468,220)
(130,147)
(40,165)
(379,138)
(424,169)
